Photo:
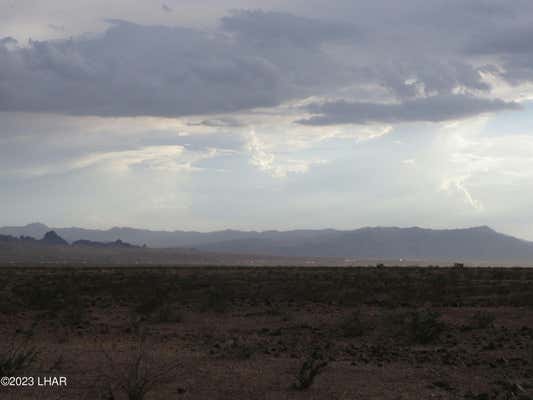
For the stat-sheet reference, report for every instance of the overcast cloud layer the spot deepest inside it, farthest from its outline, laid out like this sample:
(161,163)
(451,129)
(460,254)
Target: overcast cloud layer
(271,114)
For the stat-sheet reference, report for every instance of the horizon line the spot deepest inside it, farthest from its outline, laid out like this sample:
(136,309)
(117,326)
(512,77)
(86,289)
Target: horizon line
(259,231)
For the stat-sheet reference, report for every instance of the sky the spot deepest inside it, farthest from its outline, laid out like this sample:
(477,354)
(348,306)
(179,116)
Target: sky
(271,114)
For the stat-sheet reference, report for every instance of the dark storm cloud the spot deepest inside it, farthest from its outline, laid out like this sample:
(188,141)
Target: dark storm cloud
(437,42)
(226,122)
(428,75)
(275,28)
(161,71)
(137,70)
(417,51)
(513,46)
(512,41)
(432,109)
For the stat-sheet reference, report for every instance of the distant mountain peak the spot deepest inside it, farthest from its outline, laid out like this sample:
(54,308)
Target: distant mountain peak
(477,243)
(116,244)
(51,237)
(36,225)
(486,227)
(483,228)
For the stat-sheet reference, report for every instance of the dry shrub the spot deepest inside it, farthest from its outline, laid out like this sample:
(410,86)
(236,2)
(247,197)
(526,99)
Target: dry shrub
(139,374)
(309,370)
(17,355)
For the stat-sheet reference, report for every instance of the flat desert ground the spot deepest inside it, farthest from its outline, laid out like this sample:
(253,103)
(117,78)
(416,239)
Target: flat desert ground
(268,333)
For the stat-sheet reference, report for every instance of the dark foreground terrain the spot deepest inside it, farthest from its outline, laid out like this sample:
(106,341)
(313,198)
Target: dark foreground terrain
(268,333)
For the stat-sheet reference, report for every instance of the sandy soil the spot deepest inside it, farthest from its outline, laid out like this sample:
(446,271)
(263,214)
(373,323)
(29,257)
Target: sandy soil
(250,333)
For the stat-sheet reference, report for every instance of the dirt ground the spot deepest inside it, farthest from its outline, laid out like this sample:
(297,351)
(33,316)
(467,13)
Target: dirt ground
(267,333)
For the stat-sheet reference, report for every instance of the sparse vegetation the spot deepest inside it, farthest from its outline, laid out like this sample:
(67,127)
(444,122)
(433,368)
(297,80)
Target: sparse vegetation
(426,326)
(482,320)
(353,325)
(159,309)
(17,355)
(74,312)
(168,313)
(309,370)
(138,375)
(236,348)
(257,326)
(216,300)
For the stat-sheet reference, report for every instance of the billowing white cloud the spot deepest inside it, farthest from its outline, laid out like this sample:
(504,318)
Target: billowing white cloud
(264,159)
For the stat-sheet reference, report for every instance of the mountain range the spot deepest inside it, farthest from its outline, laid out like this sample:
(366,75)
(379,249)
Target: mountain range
(481,244)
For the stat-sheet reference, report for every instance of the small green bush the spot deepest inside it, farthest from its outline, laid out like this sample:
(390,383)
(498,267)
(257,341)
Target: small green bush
(74,313)
(482,320)
(311,367)
(216,300)
(167,313)
(425,326)
(352,326)
(237,349)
